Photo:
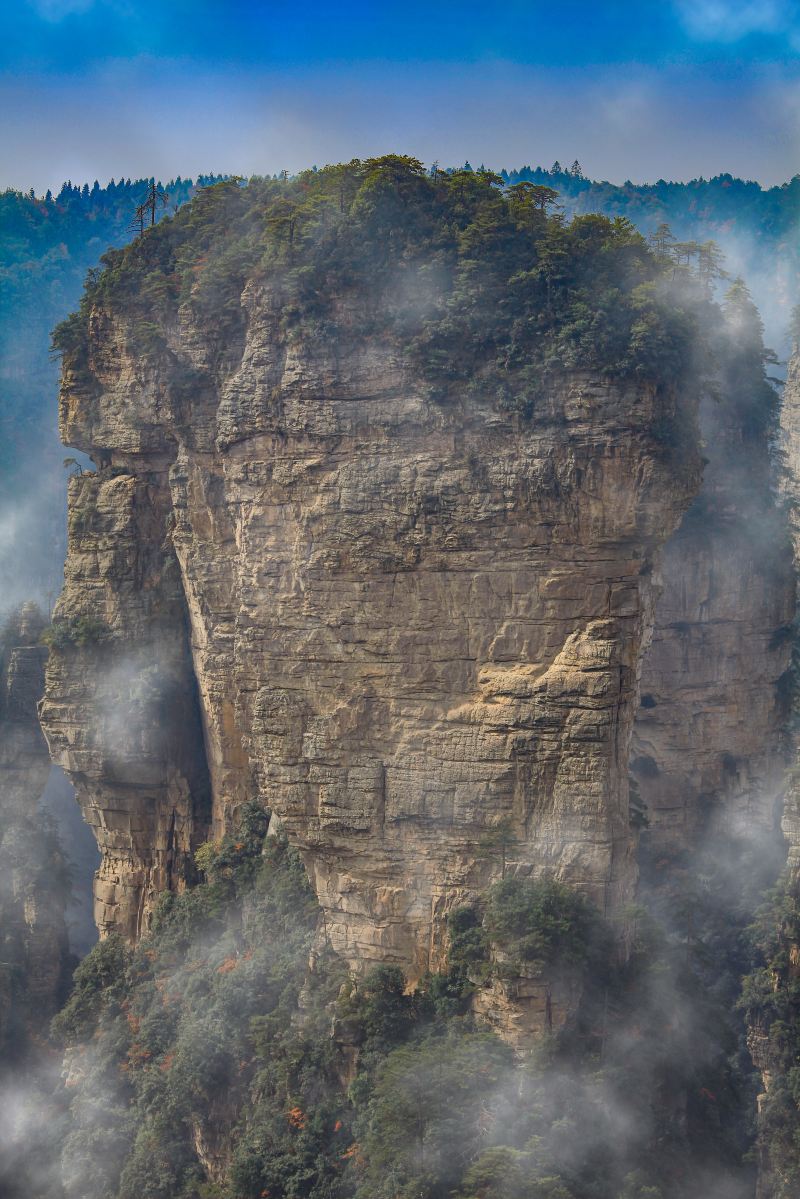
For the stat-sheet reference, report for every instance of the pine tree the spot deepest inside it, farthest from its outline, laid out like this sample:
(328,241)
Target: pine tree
(662,240)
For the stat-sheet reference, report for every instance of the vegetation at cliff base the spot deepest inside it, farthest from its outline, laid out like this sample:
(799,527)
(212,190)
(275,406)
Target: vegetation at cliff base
(771,1001)
(230,1055)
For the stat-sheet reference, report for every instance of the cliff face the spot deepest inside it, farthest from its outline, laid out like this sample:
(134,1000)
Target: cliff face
(32,887)
(710,750)
(409,622)
(790,433)
(121,710)
(772,1012)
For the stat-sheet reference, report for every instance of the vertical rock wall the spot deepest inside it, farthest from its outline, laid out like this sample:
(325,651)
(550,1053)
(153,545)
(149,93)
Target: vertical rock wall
(121,712)
(790,430)
(710,749)
(409,622)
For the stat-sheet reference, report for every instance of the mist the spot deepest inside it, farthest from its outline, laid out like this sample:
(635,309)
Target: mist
(229,1054)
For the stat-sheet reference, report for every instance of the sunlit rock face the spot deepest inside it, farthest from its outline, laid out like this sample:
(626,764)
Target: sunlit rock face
(400,622)
(121,712)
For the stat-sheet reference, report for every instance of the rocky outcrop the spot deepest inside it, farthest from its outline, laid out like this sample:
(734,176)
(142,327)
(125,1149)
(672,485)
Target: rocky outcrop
(121,711)
(33,882)
(409,621)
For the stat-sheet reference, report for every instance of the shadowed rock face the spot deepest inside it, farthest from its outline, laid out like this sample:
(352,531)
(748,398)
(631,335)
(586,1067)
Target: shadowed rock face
(34,936)
(401,623)
(764,1046)
(121,711)
(790,430)
(709,750)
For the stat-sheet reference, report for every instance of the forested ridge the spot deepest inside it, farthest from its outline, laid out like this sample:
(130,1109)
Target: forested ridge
(210,1063)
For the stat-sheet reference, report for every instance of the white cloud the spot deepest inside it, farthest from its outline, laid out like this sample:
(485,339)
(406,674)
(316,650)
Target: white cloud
(730,20)
(56,10)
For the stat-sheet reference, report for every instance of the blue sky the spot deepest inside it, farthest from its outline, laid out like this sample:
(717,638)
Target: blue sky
(677,88)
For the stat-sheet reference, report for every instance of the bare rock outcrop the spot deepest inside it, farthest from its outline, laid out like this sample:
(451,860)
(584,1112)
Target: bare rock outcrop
(408,621)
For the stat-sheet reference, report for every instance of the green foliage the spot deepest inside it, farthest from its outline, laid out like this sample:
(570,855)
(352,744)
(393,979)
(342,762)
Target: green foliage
(100,973)
(485,290)
(468,949)
(771,1001)
(541,921)
(215,1031)
(385,1012)
(505,1173)
(752,403)
(197,1029)
(424,1113)
(80,631)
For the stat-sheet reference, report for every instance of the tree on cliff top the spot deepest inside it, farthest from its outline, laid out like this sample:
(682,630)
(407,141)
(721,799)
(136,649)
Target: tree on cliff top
(482,288)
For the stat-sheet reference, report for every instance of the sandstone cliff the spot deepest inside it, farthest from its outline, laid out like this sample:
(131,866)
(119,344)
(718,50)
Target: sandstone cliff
(408,623)
(422,570)
(405,615)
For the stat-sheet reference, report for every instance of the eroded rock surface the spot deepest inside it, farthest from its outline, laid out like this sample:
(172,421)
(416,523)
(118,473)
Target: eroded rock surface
(409,621)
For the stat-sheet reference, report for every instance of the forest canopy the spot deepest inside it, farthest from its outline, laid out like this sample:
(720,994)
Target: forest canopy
(484,287)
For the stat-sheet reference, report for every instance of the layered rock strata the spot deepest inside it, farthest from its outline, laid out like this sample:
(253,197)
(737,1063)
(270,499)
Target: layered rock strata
(121,711)
(409,622)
